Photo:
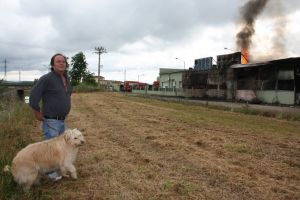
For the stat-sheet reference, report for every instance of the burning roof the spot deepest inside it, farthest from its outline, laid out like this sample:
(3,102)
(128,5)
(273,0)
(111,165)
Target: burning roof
(285,61)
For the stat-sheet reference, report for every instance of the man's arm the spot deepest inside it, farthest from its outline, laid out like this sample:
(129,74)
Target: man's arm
(35,97)
(38,115)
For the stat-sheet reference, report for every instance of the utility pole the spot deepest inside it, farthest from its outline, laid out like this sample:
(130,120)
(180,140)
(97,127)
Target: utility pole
(139,75)
(5,67)
(124,75)
(99,51)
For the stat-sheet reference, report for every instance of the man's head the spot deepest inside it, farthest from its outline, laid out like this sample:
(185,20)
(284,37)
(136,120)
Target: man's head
(59,63)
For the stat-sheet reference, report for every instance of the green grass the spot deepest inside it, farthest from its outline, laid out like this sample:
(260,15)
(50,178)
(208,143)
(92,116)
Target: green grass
(3,88)
(246,119)
(16,121)
(180,188)
(244,149)
(84,88)
(244,110)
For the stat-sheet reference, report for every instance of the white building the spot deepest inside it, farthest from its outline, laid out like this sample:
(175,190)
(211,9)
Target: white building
(170,78)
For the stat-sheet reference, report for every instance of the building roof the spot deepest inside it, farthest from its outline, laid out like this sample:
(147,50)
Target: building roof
(169,71)
(235,66)
(285,60)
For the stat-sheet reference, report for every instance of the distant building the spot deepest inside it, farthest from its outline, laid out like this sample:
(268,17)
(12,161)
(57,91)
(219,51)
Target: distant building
(226,60)
(101,79)
(109,84)
(170,78)
(112,84)
(203,64)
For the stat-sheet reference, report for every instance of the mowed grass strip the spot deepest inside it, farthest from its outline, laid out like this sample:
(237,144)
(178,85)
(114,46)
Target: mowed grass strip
(222,117)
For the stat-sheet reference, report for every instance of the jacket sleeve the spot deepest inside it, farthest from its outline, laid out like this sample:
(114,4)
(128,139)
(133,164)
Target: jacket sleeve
(36,93)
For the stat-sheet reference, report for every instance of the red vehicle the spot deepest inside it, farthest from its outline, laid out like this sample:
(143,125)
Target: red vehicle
(133,85)
(155,85)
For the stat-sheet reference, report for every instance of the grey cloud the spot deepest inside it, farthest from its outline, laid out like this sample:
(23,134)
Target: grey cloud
(75,25)
(117,22)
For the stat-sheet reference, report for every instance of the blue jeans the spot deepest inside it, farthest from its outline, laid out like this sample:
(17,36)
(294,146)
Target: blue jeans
(53,128)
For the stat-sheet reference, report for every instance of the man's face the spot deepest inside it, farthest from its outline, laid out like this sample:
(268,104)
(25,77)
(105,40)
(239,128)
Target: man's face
(59,64)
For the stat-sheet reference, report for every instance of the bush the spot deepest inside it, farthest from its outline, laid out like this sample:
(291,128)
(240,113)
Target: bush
(83,87)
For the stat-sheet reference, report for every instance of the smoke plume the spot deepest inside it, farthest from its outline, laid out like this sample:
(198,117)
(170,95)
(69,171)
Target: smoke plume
(278,39)
(277,46)
(249,13)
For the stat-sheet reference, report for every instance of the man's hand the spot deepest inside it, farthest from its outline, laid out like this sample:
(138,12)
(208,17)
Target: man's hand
(38,115)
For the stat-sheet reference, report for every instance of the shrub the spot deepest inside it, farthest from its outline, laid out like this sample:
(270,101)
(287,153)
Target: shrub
(83,87)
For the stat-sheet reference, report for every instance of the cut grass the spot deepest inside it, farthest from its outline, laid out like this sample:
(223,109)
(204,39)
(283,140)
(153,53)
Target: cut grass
(224,118)
(244,109)
(147,149)
(244,149)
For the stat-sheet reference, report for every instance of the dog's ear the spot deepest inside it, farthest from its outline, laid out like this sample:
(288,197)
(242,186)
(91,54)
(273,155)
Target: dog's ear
(67,135)
(75,130)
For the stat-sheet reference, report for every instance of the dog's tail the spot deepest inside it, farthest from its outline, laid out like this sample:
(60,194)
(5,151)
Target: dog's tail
(6,169)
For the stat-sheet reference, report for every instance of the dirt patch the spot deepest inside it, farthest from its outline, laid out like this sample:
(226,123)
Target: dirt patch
(147,149)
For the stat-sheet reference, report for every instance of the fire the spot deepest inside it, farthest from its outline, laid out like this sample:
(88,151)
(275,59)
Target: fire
(245,58)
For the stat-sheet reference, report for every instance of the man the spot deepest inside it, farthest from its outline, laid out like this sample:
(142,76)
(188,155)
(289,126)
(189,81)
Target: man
(54,89)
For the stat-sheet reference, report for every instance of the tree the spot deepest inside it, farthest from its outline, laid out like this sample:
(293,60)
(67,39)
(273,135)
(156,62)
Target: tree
(79,68)
(89,79)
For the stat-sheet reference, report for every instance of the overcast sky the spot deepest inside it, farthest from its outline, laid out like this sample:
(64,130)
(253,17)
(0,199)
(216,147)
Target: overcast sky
(140,36)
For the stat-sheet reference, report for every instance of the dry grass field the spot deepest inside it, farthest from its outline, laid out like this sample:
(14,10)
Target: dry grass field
(146,149)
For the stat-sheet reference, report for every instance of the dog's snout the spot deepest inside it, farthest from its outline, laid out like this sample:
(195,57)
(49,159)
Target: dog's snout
(82,141)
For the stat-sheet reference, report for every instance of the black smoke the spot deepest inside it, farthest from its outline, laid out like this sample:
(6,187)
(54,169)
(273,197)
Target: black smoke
(249,13)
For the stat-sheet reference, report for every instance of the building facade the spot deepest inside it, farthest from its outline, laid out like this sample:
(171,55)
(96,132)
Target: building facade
(274,82)
(170,78)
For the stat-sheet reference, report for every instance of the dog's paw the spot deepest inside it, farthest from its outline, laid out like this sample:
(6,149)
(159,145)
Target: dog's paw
(66,175)
(74,176)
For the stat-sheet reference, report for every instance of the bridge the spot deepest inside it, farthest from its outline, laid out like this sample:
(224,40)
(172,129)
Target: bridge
(14,90)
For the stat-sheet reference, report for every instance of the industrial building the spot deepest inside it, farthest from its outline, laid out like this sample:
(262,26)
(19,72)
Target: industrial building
(276,81)
(273,82)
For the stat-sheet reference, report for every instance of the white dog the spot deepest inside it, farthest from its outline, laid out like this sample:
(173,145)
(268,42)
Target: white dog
(39,158)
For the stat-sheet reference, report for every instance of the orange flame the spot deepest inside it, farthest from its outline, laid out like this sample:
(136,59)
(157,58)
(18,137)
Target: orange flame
(244,57)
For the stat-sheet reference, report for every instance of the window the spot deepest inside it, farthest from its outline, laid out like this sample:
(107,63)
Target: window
(268,85)
(286,85)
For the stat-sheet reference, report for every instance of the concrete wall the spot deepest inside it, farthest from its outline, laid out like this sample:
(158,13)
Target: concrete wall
(265,96)
(162,92)
(280,96)
(198,93)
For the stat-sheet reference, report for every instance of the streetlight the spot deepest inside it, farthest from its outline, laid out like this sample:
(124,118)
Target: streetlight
(182,61)
(228,49)
(234,51)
